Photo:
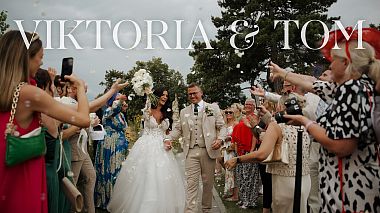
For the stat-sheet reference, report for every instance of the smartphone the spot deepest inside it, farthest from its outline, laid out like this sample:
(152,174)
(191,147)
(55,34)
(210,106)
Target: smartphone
(257,101)
(67,68)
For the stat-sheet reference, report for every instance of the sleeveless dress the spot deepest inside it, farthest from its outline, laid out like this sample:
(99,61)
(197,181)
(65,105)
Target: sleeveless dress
(150,178)
(23,186)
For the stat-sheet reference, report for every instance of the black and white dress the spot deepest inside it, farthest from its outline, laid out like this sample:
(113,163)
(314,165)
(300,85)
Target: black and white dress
(349,116)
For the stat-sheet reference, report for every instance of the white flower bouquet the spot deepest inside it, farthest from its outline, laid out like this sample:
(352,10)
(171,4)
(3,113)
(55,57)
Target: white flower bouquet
(143,84)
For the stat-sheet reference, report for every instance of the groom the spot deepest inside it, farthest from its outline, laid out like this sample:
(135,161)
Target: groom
(202,128)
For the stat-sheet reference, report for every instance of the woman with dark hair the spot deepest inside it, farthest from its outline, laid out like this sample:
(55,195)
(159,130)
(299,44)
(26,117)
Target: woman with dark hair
(166,108)
(111,151)
(150,179)
(44,81)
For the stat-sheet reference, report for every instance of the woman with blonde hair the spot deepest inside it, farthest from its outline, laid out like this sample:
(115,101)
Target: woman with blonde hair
(228,152)
(26,182)
(283,175)
(349,154)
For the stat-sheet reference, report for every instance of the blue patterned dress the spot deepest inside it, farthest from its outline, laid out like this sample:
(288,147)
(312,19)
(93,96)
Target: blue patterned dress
(110,153)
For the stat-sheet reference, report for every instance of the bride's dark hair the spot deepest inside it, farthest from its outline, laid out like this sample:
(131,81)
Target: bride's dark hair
(166,109)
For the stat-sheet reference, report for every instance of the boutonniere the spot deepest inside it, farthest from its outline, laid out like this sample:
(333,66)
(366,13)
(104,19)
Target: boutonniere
(209,111)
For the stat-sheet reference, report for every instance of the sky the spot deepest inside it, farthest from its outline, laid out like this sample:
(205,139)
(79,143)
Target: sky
(90,64)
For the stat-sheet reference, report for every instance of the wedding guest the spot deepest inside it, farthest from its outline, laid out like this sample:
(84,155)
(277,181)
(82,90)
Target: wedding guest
(52,157)
(16,67)
(238,110)
(247,174)
(283,175)
(81,163)
(228,152)
(349,154)
(112,151)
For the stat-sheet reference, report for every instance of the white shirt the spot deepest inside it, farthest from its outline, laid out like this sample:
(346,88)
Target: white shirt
(200,106)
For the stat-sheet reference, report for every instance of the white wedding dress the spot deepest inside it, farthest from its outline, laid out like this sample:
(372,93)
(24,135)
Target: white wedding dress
(150,178)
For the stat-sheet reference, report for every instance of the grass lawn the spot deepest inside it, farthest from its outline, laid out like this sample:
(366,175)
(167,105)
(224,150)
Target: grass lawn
(231,206)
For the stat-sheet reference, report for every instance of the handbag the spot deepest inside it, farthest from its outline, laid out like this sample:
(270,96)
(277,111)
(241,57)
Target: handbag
(70,190)
(279,154)
(28,146)
(97,135)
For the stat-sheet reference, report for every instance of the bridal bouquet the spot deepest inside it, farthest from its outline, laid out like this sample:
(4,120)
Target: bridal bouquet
(143,84)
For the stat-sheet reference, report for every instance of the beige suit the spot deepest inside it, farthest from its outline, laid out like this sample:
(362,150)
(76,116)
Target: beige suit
(82,166)
(199,133)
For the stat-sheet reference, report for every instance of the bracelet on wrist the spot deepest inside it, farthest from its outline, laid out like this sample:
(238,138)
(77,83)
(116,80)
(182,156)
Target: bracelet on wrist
(238,160)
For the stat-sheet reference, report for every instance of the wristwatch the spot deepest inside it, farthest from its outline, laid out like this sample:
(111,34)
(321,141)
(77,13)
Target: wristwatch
(238,160)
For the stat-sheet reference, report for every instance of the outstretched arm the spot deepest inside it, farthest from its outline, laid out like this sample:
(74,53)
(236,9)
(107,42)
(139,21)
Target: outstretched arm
(272,135)
(102,100)
(299,80)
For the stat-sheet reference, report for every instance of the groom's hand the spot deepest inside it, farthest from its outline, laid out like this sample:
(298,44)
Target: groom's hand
(216,144)
(168,145)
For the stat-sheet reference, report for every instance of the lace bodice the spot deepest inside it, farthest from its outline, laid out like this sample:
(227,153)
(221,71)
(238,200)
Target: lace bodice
(152,127)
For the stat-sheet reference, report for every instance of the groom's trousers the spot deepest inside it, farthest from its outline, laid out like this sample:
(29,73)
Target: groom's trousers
(199,164)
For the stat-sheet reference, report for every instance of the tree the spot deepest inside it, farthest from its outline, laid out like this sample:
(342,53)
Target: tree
(232,67)
(3,25)
(162,76)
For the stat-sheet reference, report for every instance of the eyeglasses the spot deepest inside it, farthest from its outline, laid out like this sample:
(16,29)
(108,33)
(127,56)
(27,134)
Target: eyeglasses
(193,93)
(228,112)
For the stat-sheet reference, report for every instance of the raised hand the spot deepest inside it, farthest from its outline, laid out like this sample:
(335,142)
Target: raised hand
(75,81)
(257,91)
(52,72)
(117,86)
(276,71)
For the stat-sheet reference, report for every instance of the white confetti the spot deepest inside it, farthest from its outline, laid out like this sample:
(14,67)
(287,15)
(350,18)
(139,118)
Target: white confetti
(238,66)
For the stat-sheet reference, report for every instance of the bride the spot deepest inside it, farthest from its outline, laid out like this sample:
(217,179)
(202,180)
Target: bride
(150,179)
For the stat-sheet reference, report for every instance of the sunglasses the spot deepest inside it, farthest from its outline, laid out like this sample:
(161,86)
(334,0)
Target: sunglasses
(228,112)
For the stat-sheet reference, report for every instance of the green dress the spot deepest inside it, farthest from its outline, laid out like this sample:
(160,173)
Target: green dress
(52,181)
(64,205)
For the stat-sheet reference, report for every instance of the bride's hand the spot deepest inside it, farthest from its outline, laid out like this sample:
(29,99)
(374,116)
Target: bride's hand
(168,145)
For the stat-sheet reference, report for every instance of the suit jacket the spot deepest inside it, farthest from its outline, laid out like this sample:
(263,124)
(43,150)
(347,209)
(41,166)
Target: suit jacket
(213,128)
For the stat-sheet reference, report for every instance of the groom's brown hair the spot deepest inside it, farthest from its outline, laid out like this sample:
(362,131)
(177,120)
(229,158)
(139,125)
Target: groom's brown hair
(194,85)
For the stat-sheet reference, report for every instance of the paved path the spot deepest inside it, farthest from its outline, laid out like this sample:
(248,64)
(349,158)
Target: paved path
(217,204)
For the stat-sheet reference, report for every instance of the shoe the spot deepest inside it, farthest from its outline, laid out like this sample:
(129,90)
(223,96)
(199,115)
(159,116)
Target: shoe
(243,207)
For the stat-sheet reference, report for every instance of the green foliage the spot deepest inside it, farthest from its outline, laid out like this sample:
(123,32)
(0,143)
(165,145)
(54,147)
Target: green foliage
(374,26)
(223,69)
(162,76)
(3,25)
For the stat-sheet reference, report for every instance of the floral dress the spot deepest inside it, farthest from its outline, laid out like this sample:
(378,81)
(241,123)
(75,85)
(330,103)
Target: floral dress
(110,154)
(229,183)
(349,116)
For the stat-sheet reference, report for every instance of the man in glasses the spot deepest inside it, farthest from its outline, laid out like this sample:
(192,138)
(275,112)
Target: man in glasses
(202,128)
